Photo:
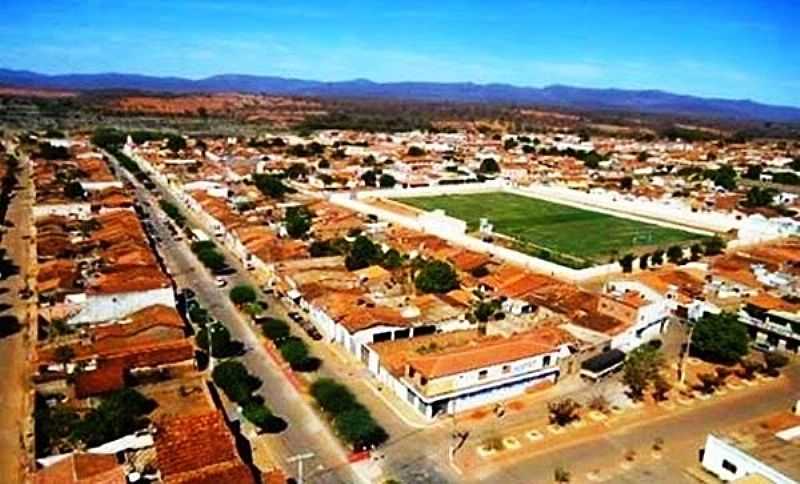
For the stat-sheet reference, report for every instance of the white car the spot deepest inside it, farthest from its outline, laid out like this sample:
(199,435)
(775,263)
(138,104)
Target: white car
(221,282)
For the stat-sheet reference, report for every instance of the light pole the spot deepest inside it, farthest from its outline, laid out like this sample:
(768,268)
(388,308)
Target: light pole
(299,458)
(686,355)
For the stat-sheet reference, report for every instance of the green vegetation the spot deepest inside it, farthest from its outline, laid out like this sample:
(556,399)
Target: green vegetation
(233,378)
(208,254)
(61,429)
(351,420)
(173,212)
(570,236)
(222,345)
(243,294)
(642,369)
(436,277)
(275,329)
(364,253)
(720,338)
(298,221)
(272,186)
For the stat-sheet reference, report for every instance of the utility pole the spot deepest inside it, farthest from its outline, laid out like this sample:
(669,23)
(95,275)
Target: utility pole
(299,458)
(685,356)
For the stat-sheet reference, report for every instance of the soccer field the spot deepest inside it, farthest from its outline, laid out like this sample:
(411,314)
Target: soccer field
(574,236)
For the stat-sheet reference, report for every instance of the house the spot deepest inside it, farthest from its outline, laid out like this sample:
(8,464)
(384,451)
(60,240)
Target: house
(773,320)
(199,449)
(766,450)
(451,372)
(82,468)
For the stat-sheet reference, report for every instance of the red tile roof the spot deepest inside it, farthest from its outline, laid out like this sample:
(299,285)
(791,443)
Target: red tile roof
(80,468)
(199,449)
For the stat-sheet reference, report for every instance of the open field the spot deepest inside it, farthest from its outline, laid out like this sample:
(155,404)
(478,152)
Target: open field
(568,235)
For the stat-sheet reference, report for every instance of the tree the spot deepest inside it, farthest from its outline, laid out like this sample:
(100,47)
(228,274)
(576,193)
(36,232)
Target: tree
(775,361)
(675,254)
(119,414)
(232,377)
(387,181)
(657,258)
(697,251)
(275,329)
(661,387)
(489,166)
(643,261)
(724,177)
(298,222)
(262,418)
(436,277)
(713,246)
(363,253)
(753,172)
(176,143)
(64,354)
(563,412)
(415,151)
(749,368)
(333,397)
(243,294)
(222,345)
(720,338)
(392,259)
(369,178)
(211,259)
(642,368)
(708,383)
(294,351)
(626,183)
(297,171)
(271,186)
(627,262)
(74,190)
(760,197)
(484,310)
(509,144)
(357,427)
(561,475)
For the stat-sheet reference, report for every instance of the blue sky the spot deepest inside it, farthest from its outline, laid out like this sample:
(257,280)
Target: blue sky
(731,49)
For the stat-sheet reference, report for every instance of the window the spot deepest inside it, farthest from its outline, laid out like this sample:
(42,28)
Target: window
(483,374)
(546,360)
(410,396)
(423,381)
(729,466)
(506,368)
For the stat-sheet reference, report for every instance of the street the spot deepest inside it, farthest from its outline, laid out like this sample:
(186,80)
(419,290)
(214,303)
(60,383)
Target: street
(14,349)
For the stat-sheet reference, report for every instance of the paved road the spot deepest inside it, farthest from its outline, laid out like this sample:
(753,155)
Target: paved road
(421,456)
(14,353)
(306,432)
(683,434)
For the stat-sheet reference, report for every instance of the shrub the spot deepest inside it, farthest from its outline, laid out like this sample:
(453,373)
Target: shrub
(262,418)
(275,329)
(332,397)
(232,377)
(243,294)
(294,351)
(436,277)
(357,427)
(562,412)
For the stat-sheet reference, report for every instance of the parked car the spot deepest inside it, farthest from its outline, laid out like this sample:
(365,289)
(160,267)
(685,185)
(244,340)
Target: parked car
(221,282)
(763,346)
(312,331)
(295,316)
(188,293)
(225,271)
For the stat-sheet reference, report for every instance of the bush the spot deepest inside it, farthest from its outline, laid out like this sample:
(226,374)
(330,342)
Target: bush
(436,277)
(720,338)
(357,427)
(275,329)
(243,294)
(332,397)
(232,377)
(261,417)
(294,351)
(119,414)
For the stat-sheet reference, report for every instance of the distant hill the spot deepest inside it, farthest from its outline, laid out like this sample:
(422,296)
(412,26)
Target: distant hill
(647,101)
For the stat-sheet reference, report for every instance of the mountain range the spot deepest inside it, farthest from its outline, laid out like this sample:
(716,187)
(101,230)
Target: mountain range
(643,101)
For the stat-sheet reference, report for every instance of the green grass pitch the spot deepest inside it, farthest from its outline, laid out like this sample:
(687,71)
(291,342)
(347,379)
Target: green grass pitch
(591,237)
